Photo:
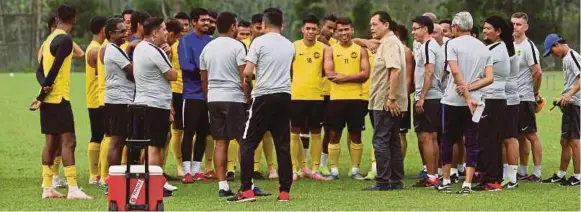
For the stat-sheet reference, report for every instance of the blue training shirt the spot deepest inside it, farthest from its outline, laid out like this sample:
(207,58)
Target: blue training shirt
(189,51)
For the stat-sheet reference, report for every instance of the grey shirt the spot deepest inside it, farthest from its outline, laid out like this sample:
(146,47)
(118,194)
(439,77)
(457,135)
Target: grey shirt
(118,89)
(472,57)
(528,55)
(151,64)
(429,53)
(501,65)
(272,54)
(221,58)
(571,67)
(511,89)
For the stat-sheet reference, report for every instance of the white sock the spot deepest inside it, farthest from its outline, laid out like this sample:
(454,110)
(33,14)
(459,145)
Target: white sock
(460,167)
(335,171)
(504,171)
(511,173)
(578,176)
(522,170)
(561,174)
(196,167)
(537,171)
(324,158)
(446,182)
(432,177)
(453,171)
(252,187)
(306,153)
(465,184)
(440,171)
(223,185)
(374,167)
(354,171)
(187,165)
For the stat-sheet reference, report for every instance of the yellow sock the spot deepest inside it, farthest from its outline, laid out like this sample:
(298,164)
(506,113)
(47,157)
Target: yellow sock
(103,158)
(55,165)
(268,147)
(233,149)
(176,146)
(209,154)
(93,155)
(124,155)
(334,153)
(356,150)
(316,150)
(372,156)
(257,156)
(46,176)
(71,175)
(302,157)
(294,149)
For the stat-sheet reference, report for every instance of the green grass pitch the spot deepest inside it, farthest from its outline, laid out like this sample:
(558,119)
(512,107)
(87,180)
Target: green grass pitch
(20,172)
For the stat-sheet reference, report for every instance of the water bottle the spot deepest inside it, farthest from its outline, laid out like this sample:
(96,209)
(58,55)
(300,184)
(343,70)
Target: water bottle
(478,112)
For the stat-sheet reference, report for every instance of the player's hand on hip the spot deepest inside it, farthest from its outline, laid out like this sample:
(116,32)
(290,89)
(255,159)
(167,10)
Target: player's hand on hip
(393,108)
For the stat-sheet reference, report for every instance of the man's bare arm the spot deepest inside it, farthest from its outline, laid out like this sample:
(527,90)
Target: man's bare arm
(410,64)
(328,64)
(537,77)
(487,80)
(428,75)
(78,53)
(363,74)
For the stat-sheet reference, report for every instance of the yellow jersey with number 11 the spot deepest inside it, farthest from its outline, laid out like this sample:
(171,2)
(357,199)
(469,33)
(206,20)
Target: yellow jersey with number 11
(347,61)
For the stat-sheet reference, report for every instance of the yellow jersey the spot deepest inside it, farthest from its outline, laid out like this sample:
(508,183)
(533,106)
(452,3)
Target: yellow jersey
(91,81)
(347,61)
(307,71)
(367,83)
(176,86)
(101,75)
(333,41)
(246,42)
(61,86)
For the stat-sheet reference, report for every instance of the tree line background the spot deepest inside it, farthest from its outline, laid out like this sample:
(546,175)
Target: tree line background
(23,23)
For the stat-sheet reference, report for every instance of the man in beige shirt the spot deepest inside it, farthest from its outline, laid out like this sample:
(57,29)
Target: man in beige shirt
(388,99)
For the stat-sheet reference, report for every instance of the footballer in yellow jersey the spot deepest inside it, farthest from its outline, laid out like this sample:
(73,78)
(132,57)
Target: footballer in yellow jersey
(307,105)
(175,31)
(347,67)
(96,113)
(328,29)
(56,115)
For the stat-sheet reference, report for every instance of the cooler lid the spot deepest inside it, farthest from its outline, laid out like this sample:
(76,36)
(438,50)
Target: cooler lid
(120,170)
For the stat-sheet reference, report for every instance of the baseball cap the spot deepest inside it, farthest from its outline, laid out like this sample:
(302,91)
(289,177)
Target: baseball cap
(550,40)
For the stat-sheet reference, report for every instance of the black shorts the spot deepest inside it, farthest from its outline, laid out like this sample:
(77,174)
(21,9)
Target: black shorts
(430,120)
(118,119)
(350,112)
(56,118)
(97,122)
(570,122)
(454,121)
(157,126)
(406,119)
(491,124)
(510,128)
(527,121)
(307,114)
(177,103)
(227,120)
(195,116)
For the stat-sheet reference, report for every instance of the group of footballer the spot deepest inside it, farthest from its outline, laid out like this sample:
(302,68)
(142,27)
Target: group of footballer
(229,99)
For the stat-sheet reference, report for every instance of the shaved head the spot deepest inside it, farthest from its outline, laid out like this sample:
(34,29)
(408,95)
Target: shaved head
(431,16)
